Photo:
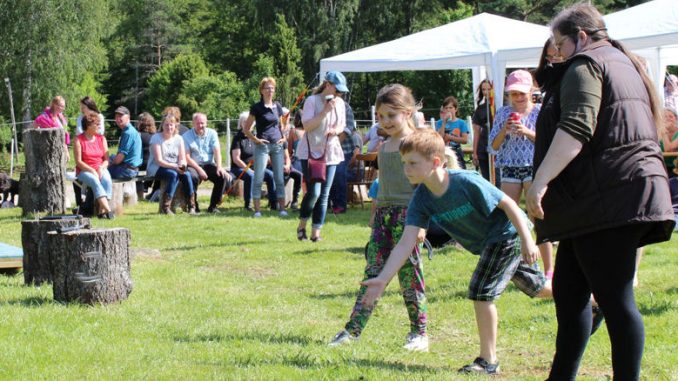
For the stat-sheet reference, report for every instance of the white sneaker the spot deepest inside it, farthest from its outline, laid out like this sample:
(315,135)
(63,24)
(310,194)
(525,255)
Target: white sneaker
(416,342)
(283,213)
(256,215)
(343,337)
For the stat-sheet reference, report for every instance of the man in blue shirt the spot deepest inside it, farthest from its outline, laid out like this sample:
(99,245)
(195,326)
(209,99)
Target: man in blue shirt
(203,155)
(125,164)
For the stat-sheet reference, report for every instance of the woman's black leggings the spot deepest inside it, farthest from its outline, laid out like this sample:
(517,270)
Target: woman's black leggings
(602,262)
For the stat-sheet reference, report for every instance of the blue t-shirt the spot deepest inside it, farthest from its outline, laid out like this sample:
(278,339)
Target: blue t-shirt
(467,211)
(201,148)
(456,128)
(130,146)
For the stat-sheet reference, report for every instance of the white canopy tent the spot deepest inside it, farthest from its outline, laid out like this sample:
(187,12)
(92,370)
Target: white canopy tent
(483,43)
(651,31)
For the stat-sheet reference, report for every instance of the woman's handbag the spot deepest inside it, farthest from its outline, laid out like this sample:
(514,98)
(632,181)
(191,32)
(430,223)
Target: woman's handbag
(317,167)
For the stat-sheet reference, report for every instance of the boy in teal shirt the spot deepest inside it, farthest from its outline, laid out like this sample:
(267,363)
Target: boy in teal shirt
(479,217)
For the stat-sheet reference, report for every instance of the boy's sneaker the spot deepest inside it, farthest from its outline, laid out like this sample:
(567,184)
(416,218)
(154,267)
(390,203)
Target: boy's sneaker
(416,342)
(283,213)
(341,338)
(480,366)
(596,318)
(257,215)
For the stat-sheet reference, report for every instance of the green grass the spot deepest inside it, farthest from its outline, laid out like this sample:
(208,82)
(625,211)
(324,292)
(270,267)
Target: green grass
(230,297)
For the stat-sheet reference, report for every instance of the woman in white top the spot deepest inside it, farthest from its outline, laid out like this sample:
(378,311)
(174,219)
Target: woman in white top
(324,118)
(167,162)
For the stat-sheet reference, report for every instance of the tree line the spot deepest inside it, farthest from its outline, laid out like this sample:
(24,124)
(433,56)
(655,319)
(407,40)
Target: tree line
(209,55)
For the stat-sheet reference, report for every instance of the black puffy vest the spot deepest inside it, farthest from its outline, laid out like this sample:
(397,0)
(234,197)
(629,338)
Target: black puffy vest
(618,178)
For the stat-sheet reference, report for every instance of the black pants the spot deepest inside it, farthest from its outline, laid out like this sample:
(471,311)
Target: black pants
(602,262)
(220,184)
(297,177)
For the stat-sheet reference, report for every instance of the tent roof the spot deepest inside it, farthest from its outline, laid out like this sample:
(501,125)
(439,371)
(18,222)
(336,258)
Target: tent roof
(466,43)
(647,25)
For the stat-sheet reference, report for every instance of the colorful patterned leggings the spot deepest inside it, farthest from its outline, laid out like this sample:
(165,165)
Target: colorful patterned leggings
(389,224)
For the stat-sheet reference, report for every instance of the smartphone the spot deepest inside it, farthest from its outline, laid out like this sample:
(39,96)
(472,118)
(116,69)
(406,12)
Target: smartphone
(329,97)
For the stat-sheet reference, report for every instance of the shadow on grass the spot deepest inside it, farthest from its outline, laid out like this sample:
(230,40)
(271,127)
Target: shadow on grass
(222,245)
(33,301)
(348,294)
(655,308)
(261,337)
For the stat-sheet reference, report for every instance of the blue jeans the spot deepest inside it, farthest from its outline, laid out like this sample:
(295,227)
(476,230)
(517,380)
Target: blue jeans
(101,187)
(173,177)
(121,171)
(317,194)
(338,192)
(261,154)
(247,178)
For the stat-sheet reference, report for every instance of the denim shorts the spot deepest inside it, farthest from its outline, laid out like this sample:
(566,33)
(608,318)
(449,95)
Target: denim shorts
(500,263)
(516,175)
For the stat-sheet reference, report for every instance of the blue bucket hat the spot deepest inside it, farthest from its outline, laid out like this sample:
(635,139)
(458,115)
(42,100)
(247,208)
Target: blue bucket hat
(338,80)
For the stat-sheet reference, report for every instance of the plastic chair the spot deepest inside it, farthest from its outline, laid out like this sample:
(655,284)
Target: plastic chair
(365,174)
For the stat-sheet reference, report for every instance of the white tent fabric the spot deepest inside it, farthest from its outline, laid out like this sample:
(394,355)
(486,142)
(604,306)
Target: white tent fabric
(651,31)
(483,41)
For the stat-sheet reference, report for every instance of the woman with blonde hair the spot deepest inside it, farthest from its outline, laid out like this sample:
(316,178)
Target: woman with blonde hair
(167,163)
(269,142)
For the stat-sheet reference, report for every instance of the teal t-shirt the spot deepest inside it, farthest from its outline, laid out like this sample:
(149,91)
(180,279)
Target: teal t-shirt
(456,128)
(467,211)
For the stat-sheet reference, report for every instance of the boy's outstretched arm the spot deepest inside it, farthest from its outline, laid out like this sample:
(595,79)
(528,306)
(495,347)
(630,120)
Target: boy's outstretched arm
(399,254)
(528,249)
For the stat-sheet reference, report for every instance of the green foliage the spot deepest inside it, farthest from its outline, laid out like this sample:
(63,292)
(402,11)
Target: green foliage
(218,96)
(48,46)
(165,85)
(232,297)
(287,56)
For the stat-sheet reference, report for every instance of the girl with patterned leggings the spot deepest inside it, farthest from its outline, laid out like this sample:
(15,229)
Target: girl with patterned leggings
(395,107)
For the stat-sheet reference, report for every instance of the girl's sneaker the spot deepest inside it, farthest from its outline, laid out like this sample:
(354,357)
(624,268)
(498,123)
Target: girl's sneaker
(416,342)
(257,215)
(480,366)
(343,337)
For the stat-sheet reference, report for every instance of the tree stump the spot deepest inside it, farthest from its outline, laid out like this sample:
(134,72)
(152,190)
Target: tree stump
(91,266)
(37,258)
(179,198)
(43,187)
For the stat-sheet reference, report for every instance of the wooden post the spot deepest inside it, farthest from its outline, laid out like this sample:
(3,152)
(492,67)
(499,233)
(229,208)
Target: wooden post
(37,258)
(43,187)
(91,266)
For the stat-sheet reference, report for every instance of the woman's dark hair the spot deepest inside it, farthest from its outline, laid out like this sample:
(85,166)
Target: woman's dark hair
(543,64)
(146,123)
(481,96)
(90,104)
(89,120)
(584,17)
(297,120)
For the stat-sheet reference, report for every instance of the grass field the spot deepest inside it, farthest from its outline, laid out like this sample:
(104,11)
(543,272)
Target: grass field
(229,297)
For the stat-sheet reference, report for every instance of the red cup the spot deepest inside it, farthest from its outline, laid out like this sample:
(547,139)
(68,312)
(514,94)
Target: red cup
(515,117)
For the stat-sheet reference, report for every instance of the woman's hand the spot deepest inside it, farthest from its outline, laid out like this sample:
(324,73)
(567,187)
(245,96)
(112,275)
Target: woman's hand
(533,200)
(474,157)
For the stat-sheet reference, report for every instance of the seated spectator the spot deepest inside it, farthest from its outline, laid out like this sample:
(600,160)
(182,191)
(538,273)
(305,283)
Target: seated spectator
(91,161)
(203,154)
(88,106)
(351,144)
(168,163)
(669,141)
(374,138)
(174,110)
(295,175)
(146,128)
(453,129)
(673,184)
(125,164)
(242,156)
(53,117)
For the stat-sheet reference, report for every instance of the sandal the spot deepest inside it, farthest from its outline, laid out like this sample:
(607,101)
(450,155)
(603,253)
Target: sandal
(301,234)
(107,215)
(316,239)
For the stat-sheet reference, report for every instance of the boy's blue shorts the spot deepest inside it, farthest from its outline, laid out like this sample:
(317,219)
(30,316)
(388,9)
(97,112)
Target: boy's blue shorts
(500,263)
